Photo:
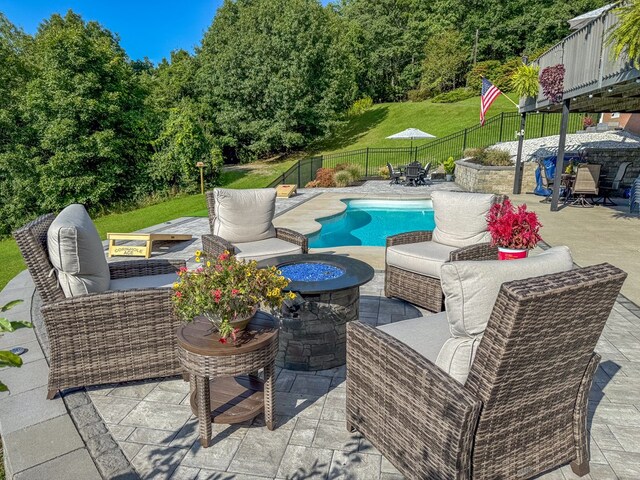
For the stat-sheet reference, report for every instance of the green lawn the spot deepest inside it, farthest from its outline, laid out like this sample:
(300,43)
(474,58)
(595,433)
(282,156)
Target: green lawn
(372,127)
(256,175)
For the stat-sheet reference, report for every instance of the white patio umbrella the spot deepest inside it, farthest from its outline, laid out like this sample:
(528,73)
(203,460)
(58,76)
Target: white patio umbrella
(410,133)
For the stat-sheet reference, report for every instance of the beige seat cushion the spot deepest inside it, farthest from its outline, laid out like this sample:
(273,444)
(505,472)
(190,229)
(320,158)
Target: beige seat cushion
(460,217)
(262,249)
(423,258)
(426,335)
(76,252)
(456,356)
(244,215)
(147,281)
(471,287)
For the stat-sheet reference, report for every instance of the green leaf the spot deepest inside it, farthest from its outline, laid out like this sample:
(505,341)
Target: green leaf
(10,305)
(5,325)
(21,324)
(3,387)
(8,359)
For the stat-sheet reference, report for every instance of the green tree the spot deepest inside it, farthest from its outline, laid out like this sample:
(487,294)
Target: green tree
(388,38)
(274,74)
(84,105)
(182,142)
(626,36)
(446,56)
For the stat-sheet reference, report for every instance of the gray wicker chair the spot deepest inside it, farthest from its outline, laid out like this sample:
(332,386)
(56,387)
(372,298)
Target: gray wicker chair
(423,290)
(99,338)
(522,410)
(214,245)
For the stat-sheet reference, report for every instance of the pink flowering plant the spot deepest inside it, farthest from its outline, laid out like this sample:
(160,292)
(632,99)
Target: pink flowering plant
(515,228)
(226,289)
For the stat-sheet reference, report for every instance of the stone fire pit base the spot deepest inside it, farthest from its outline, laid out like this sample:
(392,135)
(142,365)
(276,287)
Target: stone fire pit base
(314,336)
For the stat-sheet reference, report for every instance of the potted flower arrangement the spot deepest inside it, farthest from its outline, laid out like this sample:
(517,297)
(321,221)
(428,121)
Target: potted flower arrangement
(227,292)
(449,166)
(524,81)
(513,230)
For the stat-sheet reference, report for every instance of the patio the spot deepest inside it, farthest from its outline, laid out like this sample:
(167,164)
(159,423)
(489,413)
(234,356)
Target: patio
(146,429)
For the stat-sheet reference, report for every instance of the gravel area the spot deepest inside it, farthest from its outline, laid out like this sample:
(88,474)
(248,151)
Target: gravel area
(536,148)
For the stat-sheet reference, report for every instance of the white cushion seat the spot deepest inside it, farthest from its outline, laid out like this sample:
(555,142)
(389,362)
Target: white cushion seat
(146,281)
(268,248)
(426,335)
(423,258)
(244,215)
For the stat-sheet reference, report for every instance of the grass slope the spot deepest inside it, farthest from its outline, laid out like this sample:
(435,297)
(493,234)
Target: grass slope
(372,127)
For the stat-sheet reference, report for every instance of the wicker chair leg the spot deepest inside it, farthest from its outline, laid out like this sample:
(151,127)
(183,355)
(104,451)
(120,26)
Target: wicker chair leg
(51,394)
(580,469)
(350,427)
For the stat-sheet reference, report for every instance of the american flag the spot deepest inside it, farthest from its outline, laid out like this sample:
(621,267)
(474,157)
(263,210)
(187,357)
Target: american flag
(489,93)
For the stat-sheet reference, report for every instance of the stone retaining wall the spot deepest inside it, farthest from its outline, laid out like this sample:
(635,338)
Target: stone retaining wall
(479,178)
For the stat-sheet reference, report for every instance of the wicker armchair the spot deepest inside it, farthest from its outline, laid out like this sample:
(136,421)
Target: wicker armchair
(424,290)
(214,245)
(109,337)
(522,410)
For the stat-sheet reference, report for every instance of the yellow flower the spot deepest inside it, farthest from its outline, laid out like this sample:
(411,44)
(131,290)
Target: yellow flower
(176,285)
(275,292)
(208,264)
(198,259)
(198,253)
(292,295)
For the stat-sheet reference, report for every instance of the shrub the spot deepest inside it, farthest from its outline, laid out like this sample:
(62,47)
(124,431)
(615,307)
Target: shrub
(524,80)
(311,184)
(587,122)
(360,106)
(496,157)
(552,82)
(342,178)
(454,95)
(355,171)
(384,172)
(324,177)
(418,95)
(449,166)
(475,154)
(488,69)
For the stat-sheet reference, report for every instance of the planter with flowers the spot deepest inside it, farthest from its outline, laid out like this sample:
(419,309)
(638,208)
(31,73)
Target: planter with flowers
(227,292)
(513,230)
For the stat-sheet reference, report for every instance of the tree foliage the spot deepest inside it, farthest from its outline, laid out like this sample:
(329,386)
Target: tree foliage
(275,74)
(445,58)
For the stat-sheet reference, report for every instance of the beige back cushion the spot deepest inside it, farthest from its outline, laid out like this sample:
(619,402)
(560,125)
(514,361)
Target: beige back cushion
(76,252)
(244,215)
(460,217)
(471,288)
(456,356)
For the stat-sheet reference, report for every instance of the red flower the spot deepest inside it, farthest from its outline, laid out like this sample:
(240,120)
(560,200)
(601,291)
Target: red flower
(511,228)
(223,256)
(217,295)
(222,340)
(235,291)
(179,294)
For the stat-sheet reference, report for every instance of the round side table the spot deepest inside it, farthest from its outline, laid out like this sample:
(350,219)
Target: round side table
(220,393)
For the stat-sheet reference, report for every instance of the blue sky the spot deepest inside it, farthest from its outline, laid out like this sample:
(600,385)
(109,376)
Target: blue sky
(146,28)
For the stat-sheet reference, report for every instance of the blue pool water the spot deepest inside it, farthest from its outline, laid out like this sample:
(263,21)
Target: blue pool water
(310,272)
(370,222)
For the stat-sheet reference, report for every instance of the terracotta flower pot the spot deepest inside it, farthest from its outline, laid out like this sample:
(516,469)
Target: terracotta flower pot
(511,254)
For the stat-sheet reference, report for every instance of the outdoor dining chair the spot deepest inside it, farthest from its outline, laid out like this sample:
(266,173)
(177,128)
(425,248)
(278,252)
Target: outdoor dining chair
(412,174)
(520,409)
(585,184)
(608,189)
(394,175)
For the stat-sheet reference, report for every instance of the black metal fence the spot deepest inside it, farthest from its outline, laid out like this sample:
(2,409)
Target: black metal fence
(499,128)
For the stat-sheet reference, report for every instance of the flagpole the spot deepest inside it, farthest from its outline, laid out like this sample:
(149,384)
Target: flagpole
(516,105)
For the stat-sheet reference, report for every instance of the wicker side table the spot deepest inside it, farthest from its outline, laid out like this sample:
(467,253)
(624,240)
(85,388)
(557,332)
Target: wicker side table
(220,393)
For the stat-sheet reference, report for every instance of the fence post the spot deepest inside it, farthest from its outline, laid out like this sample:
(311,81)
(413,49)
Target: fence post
(299,167)
(464,140)
(366,163)
(544,115)
(501,123)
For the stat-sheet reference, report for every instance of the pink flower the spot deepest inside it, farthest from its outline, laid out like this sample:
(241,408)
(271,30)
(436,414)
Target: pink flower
(217,295)
(235,292)
(223,256)
(179,294)
(199,269)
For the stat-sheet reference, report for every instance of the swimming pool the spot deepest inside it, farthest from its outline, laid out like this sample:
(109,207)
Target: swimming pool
(370,222)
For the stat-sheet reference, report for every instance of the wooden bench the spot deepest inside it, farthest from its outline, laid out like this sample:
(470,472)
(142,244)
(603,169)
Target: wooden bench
(140,250)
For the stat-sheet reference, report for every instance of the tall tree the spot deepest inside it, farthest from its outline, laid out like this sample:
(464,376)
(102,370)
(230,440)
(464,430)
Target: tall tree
(274,74)
(446,56)
(84,104)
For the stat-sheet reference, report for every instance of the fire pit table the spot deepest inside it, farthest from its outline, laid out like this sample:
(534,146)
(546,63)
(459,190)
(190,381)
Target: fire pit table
(313,329)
